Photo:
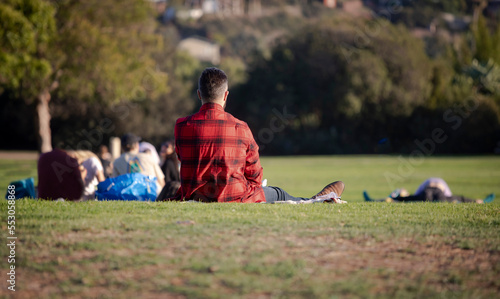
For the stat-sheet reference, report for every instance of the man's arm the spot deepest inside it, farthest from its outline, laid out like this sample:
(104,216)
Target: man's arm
(177,136)
(253,169)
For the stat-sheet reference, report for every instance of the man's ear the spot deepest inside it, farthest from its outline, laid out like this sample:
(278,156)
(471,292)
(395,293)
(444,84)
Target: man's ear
(225,95)
(199,94)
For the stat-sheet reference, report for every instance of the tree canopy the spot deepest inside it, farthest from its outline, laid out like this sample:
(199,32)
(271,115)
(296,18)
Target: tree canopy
(77,52)
(338,73)
(307,79)
(27,32)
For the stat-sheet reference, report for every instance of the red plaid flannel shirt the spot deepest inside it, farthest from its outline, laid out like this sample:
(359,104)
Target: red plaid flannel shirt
(219,157)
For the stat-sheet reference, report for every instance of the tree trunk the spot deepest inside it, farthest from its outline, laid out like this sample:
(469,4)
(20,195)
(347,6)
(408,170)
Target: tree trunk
(44,133)
(480,5)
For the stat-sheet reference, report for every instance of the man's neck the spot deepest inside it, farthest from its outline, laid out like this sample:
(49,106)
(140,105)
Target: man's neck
(220,103)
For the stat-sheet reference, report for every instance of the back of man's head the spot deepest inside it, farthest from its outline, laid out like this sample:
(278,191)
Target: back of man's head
(130,142)
(212,84)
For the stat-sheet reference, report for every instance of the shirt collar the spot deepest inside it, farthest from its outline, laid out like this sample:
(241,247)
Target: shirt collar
(208,106)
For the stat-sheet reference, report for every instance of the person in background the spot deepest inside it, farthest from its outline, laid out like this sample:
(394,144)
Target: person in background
(93,169)
(169,162)
(148,148)
(106,160)
(170,167)
(60,176)
(433,189)
(132,161)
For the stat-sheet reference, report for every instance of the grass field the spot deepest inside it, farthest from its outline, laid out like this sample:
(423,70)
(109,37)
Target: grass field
(357,250)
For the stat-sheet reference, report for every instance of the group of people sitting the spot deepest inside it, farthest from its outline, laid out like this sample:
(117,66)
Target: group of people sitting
(75,174)
(218,156)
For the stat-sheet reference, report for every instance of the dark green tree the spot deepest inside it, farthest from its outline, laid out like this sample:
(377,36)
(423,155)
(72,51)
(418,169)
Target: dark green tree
(27,33)
(486,42)
(342,80)
(78,51)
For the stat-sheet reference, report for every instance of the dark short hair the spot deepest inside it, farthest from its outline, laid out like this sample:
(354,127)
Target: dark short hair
(212,84)
(128,141)
(168,142)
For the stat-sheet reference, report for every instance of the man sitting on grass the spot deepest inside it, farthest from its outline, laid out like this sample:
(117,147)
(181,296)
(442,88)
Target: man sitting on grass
(219,156)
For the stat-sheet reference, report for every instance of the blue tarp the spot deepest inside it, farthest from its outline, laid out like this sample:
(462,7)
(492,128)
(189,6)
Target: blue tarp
(132,186)
(22,188)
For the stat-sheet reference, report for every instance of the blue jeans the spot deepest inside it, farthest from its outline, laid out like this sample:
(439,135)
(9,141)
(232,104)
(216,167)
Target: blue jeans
(274,194)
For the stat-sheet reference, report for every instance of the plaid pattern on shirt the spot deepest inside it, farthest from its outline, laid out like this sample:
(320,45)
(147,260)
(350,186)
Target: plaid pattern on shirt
(219,157)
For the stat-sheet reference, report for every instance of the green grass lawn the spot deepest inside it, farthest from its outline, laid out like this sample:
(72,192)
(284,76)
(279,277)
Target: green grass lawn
(13,170)
(357,250)
(473,177)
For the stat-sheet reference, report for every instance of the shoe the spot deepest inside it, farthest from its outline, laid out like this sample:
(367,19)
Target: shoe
(489,198)
(394,193)
(399,193)
(337,187)
(367,198)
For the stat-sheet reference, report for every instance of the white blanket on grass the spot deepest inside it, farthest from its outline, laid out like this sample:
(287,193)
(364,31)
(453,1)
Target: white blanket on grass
(330,198)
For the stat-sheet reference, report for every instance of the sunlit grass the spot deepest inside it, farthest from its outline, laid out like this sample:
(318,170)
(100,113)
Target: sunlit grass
(368,250)
(473,177)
